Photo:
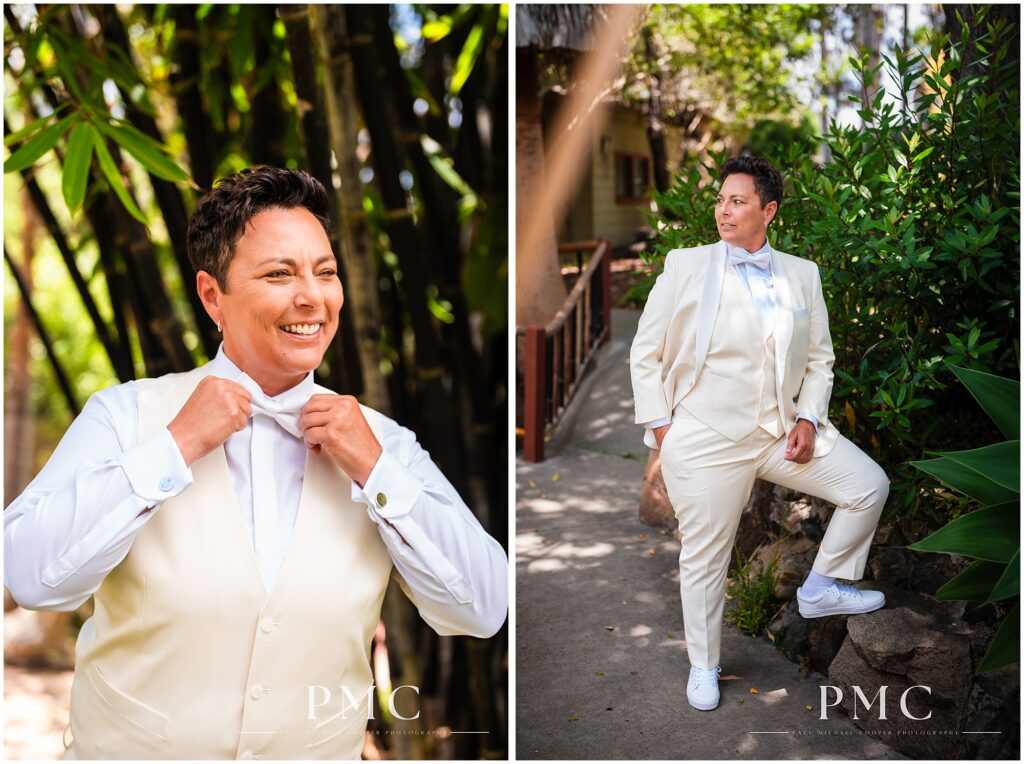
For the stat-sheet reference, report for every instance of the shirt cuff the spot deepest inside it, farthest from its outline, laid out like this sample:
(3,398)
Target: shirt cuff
(659,422)
(809,417)
(390,491)
(155,467)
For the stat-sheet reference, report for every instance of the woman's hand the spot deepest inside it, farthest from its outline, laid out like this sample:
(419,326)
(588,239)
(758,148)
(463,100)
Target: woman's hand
(336,424)
(800,446)
(216,410)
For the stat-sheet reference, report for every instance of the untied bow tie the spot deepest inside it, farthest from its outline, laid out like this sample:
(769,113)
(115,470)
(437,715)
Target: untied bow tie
(761,260)
(284,409)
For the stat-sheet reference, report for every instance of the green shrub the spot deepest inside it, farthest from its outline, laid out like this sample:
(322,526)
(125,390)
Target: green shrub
(751,594)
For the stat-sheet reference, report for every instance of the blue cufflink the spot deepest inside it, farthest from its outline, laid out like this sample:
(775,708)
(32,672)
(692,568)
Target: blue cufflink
(166,484)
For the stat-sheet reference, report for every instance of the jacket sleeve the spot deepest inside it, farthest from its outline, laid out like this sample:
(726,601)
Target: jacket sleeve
(816,389)
(645,356)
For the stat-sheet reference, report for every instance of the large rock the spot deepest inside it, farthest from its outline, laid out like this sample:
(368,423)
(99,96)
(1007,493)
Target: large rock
(902,648)
(995,707)
(810,642)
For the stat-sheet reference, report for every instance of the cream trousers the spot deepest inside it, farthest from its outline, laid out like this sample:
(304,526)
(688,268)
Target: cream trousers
(709,478)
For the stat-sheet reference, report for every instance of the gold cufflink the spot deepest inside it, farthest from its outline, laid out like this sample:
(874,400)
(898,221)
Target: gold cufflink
(382,500)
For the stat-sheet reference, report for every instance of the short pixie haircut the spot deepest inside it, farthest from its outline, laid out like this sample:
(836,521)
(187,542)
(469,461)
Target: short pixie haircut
(220,218)
(767,178)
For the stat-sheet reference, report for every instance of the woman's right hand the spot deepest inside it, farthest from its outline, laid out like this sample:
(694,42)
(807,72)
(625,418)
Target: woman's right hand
(216,409)
(661,432)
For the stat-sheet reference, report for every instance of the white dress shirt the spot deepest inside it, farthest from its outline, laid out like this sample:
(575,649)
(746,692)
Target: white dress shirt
(83,509)
(761,288)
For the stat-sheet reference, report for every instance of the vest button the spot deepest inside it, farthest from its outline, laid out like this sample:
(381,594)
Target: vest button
(256,692)
(382,500)
(267,625)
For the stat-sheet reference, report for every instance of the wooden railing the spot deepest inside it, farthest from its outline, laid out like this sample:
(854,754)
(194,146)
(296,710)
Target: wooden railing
(557,355)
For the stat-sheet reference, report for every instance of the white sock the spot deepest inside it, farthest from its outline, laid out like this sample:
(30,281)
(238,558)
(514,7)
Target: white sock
(816,584)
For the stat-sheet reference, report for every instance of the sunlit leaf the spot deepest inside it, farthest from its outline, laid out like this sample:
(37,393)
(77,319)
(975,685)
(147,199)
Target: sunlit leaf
(39,144)
(146,150)
(77,162)
(468,56)
(113,176)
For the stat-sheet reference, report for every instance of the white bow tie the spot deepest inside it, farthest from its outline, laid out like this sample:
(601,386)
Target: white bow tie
(761,260)
(284,409)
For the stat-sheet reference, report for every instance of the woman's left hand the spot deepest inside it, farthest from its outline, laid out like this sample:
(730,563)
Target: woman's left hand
(336,424)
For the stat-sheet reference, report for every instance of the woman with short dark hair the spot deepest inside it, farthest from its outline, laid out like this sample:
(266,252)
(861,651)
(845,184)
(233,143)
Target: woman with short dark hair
(238,523)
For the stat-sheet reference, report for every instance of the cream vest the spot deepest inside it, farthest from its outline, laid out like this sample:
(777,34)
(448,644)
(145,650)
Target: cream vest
(736,391)
(188,657)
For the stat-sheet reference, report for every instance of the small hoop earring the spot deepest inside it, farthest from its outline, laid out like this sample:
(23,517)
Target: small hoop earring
(218,326)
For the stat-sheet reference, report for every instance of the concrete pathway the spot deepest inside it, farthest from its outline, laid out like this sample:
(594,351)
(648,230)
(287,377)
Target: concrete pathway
(601,662)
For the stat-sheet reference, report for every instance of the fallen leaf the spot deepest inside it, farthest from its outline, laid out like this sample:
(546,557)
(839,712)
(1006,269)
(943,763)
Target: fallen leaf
(574,718)
(739,702)
(609,628)
(670,635)
(598,673)
(809,708)
(533,484)
(555,478)
(641,535)
(754,691)
(651,552)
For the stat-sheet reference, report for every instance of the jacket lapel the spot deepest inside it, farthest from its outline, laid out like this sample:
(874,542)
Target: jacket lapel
(783,310)
(709,300)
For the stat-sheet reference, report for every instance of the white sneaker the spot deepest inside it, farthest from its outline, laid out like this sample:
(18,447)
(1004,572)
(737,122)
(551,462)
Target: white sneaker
(839,599)
(702,689)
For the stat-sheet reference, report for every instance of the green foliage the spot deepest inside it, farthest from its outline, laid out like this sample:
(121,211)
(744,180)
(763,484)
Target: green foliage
(990,534)
(734,62)
(751,593)
(914,221)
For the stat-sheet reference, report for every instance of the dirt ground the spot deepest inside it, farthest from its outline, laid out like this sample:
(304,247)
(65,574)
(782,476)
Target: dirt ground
(35,713)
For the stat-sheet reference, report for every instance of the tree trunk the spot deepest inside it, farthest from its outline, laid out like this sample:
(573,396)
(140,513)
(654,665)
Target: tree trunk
(361,288)
(168,197)
(266,122)
(442,235)
(19,423)
(370,81)
(655,113)
(540,290)
(200,136)
(345,371)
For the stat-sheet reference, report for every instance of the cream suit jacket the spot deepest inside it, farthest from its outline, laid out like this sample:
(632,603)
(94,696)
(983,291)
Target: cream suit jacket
(675,330)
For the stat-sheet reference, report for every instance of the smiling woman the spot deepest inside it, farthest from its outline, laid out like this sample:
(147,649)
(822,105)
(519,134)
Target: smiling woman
(141,501)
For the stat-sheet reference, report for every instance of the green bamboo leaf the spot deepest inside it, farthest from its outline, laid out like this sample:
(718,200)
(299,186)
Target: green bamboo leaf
(32,127)
(999,462)
(113,177)
(990,534)
(1009,583)
(436,30)
(442,165)
(999,397)
(149,153)
(77,161)
(468,55)
(1005,647)
(974,583)
(40,143)
(966,480)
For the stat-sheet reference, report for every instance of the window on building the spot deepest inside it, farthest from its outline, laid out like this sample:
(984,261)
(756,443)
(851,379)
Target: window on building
(632,178)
